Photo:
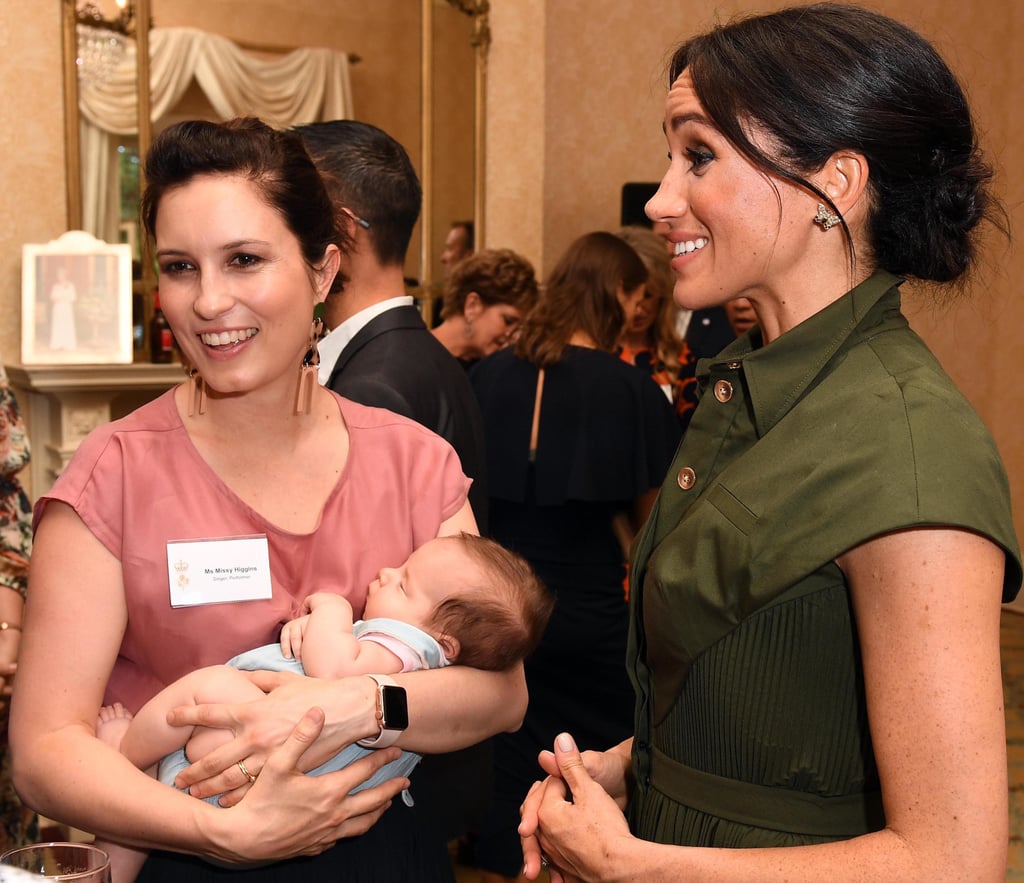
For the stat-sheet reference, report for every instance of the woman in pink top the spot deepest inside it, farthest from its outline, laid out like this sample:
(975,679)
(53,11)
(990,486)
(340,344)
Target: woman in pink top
(191,529)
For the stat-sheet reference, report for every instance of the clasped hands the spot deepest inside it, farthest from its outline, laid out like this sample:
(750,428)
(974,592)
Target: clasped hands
(279,738)
(573,822)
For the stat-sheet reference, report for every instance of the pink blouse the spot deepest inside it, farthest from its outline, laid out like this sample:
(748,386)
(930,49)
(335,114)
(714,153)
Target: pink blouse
(139,483)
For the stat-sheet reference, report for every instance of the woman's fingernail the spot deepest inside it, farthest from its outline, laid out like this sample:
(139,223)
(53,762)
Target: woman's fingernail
(564,742)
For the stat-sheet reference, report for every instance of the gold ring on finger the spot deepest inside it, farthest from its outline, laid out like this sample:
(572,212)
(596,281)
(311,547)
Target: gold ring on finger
(246,773)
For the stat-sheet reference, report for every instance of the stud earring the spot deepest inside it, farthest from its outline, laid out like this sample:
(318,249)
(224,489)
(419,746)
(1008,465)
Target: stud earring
(308,375)
(825,218)
(196,393)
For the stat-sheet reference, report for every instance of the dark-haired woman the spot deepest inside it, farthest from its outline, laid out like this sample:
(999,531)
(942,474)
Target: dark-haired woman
(253,470)
(577,441)
(816,598)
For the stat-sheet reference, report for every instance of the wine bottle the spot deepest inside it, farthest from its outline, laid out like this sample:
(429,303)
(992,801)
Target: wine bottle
(161,339)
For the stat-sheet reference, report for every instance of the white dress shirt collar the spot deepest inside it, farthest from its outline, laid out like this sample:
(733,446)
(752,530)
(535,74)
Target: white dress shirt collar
(335,341)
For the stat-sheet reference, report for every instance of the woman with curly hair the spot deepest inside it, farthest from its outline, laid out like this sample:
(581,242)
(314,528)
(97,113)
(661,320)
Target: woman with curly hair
(485,299)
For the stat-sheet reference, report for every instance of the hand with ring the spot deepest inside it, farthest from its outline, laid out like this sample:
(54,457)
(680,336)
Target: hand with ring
(571,825)
(246,773)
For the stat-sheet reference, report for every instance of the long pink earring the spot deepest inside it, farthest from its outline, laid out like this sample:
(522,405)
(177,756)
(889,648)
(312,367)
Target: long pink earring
(196,393)
(308,375)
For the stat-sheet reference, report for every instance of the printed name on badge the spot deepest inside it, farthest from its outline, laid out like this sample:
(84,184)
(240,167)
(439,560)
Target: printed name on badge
(218,571)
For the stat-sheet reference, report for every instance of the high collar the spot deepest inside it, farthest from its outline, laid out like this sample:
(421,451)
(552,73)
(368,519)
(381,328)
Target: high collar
(780,373)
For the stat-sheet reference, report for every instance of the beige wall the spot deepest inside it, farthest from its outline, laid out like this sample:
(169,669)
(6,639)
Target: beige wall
(32,207)
(384,33)
(574,111)
(599,94)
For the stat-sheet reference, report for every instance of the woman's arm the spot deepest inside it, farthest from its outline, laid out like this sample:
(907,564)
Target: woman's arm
(926,604)
(73,628)
(462,521)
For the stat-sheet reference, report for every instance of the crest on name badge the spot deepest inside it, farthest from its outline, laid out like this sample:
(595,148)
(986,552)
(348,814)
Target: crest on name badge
(182,568)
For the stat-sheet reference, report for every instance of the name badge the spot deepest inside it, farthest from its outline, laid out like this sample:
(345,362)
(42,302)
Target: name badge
(218,571)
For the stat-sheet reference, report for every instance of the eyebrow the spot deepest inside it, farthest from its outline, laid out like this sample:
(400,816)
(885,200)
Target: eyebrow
(242,243)
(227,246)
(680,120)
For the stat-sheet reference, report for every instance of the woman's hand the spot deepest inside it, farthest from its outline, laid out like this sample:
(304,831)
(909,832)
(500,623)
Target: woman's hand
(611,769)
(574,817)
(262,726)
(287,813)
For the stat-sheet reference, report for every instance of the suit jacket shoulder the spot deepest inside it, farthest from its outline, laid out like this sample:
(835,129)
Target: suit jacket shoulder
(394,362)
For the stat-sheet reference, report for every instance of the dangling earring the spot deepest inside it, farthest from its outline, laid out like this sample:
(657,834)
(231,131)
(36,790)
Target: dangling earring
(825,218)
(308,376)
(467,332)
(196,393)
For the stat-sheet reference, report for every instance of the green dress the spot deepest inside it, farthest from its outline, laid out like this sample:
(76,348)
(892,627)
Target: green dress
(752,726)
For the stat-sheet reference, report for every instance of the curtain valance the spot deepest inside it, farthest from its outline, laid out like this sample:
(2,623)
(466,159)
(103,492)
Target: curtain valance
(301,87)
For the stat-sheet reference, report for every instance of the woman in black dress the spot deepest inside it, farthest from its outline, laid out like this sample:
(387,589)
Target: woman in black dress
(577,442)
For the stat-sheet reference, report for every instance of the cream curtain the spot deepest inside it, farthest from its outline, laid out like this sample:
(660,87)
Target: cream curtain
(301,87)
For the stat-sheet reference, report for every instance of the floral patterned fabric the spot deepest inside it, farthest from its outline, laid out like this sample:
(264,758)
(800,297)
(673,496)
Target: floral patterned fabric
(17,824)
(680,385)
(15,510)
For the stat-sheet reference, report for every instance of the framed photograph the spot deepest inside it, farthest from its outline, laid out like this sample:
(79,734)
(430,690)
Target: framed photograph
(76,302)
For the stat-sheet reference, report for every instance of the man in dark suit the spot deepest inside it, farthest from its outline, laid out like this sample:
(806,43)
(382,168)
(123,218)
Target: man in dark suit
(379,352)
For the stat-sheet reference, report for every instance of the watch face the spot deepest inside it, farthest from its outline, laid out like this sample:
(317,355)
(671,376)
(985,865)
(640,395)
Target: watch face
(396,708)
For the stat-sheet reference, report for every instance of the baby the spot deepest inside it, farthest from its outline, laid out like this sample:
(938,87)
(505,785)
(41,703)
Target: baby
(460,599)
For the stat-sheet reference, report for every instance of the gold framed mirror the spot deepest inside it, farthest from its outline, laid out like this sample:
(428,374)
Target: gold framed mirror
(448,141)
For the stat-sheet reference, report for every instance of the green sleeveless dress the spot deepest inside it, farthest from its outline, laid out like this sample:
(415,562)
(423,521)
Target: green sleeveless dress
(752,726)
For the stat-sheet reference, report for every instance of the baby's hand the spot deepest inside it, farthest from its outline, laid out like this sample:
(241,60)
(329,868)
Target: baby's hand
(291,637)
(325,599)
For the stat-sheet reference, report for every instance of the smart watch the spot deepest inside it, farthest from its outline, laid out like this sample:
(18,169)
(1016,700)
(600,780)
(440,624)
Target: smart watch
(392,713)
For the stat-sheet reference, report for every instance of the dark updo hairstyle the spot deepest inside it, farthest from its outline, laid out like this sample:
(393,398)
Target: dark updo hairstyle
(276,162)
(827,77)
(581,294)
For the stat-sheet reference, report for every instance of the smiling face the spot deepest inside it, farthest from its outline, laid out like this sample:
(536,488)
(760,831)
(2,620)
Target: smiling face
(734,231)
(234,285)
(412,592)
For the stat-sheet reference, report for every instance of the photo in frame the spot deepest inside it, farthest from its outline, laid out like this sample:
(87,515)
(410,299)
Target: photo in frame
(76,302)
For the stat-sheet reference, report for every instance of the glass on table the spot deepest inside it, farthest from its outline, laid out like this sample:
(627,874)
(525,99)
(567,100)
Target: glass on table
(78,862)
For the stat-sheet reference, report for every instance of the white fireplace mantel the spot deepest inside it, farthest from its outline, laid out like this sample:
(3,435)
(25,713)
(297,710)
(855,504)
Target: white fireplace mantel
(62,404)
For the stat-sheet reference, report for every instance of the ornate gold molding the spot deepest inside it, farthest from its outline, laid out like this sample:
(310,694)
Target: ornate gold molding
(480,11)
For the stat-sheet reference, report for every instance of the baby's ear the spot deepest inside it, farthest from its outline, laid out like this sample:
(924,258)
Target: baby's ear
(450,646)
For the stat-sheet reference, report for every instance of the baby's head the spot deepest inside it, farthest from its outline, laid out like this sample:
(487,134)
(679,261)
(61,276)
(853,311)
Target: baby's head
(483,603)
